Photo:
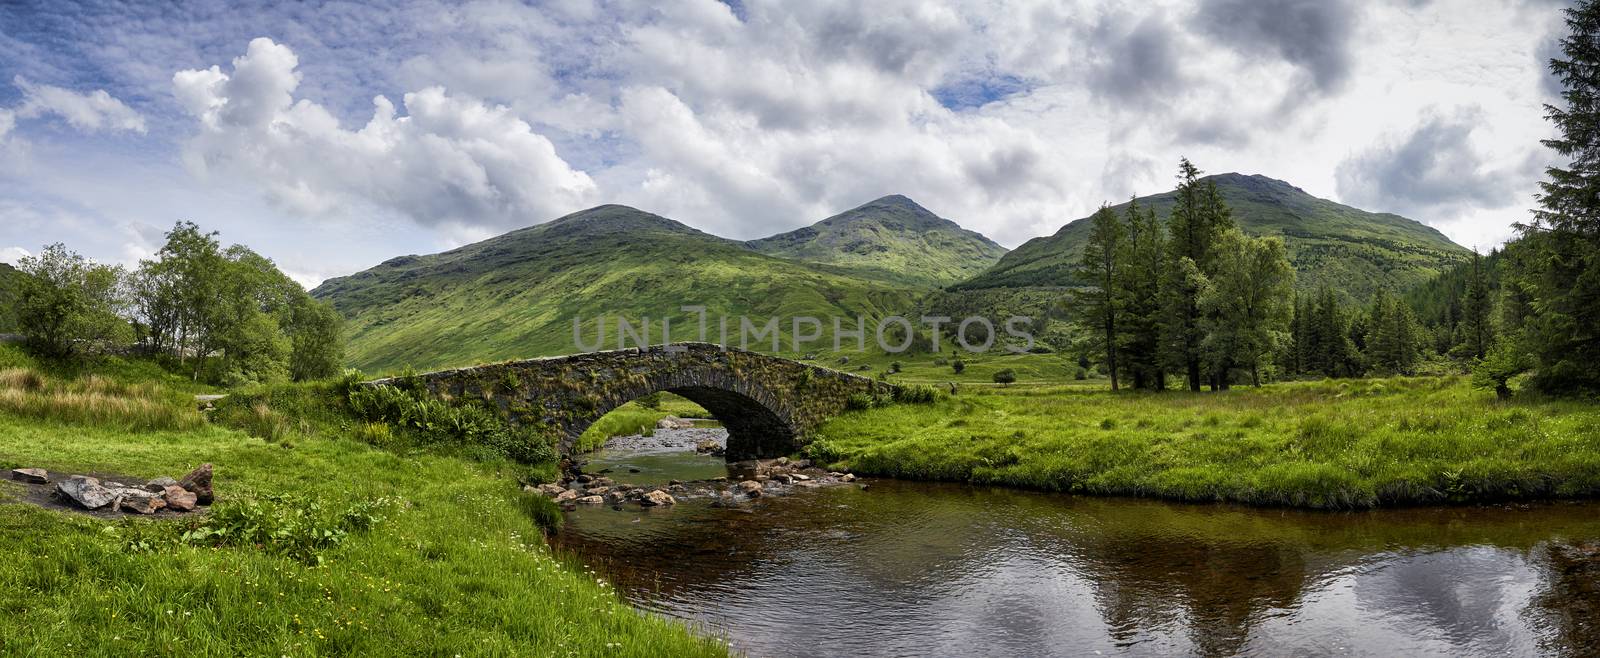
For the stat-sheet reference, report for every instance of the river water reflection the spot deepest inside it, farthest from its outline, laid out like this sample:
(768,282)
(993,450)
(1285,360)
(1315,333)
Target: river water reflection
(914,569)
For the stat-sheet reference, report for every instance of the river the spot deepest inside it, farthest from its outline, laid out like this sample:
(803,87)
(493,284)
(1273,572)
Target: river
(915,569)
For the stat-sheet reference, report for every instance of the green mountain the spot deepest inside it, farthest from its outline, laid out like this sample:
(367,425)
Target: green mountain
(516,295)
(893,239)
(1329,243)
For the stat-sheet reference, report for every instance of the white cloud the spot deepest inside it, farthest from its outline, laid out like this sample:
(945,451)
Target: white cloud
(90,112)
(448,160)
(11,255)
(749,121)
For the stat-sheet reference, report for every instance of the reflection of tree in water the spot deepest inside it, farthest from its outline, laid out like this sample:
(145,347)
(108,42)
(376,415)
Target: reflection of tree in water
(1011,567)
(1214,589)
(1568,607)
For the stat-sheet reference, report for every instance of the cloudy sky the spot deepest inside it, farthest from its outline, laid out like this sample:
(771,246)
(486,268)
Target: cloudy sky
(332,136)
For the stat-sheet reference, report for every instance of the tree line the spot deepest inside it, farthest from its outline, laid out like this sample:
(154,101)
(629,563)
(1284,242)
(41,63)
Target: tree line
(225,315)
(1191,297)
(1195,299)
(1544,317)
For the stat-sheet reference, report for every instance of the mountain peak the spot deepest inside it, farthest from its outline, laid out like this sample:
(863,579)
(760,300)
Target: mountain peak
(891,238)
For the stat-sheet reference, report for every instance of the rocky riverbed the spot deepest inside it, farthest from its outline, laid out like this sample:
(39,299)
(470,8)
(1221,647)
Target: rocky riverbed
(606,480)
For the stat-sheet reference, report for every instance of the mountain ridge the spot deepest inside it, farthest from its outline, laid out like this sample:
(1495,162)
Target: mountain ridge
(1328,242)
(516,295)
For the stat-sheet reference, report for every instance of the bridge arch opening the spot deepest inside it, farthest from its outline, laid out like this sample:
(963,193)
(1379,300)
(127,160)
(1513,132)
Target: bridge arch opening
(756,430)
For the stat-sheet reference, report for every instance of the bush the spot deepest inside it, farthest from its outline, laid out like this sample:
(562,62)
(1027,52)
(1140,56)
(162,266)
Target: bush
(436,422)
(859,401)
(283,525)
(1007,376)
(916,395)
(653,400)
(958,366)
(1080,374)
(894,367)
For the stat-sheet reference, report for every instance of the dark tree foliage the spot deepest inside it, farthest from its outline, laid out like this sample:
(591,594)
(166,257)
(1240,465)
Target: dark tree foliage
(1098,304)
(1139,293)
(1475,330)
(1557,281)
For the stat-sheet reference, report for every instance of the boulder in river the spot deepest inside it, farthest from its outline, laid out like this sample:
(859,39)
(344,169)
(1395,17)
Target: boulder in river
(750,487)
(550,489)
(566,495)
(86,491)
(597,491)
(657,498)
(30,475)
(590,500)
(674,423)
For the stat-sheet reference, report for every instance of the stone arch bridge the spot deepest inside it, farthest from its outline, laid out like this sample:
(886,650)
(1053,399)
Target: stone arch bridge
(769,405)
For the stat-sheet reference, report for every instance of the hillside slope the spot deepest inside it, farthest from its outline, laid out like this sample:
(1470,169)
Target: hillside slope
(516,295)
(892,239)
(1329,243)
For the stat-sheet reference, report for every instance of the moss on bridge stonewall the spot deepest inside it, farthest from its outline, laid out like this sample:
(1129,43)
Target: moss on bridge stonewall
(770,406)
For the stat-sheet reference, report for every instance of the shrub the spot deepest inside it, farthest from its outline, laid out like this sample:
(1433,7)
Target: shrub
(283,525)
(438,423)
(859,401)
(651,401)
(1007,376)
(916,395)
(894,367)
(1079,374)
(545,512)
(958,366)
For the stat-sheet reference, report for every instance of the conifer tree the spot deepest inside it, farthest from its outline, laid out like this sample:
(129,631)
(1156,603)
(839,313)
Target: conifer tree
(1192,231)
(1098,304)
(1476,327)
(1561,331)
(1139,293)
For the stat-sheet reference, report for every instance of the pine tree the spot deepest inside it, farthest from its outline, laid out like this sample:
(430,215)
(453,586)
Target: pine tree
(1098,304)
(1192,229)
(1570,198)
(1561,275)
(1330,352)
(1393,335)
(1139,294)
(1475,331)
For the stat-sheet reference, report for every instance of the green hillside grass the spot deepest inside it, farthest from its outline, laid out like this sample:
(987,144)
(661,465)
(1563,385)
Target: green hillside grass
(1328,444)
(318,543)
(892,239)
(516,295)
(1329,244)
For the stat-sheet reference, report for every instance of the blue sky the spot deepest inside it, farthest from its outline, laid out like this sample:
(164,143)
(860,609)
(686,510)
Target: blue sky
(332,136)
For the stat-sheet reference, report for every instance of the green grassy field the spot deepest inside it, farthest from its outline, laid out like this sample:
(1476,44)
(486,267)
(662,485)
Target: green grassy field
(319,544)
(1332,444)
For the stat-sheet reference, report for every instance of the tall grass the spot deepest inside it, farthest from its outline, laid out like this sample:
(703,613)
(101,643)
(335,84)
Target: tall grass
(1331,444)
(95,400)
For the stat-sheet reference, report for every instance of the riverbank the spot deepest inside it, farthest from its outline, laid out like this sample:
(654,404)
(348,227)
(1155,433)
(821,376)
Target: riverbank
(318,543)
(1326,445)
